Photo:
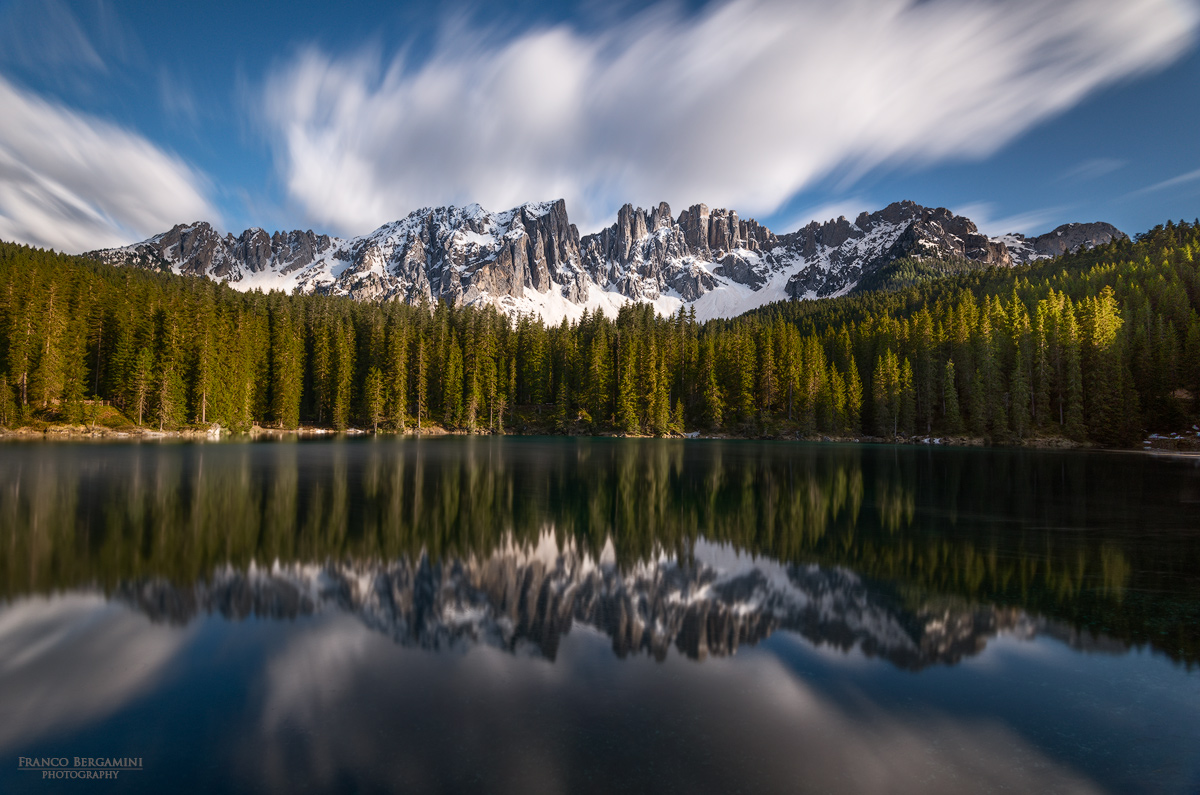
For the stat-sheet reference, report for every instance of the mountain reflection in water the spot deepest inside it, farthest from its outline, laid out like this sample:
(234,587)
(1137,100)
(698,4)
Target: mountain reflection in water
(526,601)
(915,555)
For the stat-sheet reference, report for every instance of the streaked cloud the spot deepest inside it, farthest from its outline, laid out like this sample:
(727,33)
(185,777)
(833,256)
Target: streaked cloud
(46,34)
(74,182)
(1173,182)
(1093,169)
(742,105)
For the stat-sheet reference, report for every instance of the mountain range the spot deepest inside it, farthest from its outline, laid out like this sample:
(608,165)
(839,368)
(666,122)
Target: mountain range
(532,259)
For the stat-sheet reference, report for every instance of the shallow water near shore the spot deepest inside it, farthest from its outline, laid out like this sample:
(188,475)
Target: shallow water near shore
(596,615)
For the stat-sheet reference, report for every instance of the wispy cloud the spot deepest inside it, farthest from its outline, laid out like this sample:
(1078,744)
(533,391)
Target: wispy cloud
(1182,179)
(1093,169)
(741,105)
(46,34)
(68,45)
(74,182)
(177,99)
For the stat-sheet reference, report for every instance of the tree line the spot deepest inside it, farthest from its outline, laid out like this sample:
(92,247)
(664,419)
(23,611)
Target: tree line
(1097,346)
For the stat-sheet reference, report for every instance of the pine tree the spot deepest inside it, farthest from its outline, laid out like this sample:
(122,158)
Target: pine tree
(343,374)
(907,400)
(854,399)
(991,380)
(953,416)
(287,368)
(452,387)
(322,364)
(660,416)
(562,408)
(204,355)
(1019,415)
(1073,413)
(8,405)
(835,419)
(886,386)
(1042,367)
(396,374)
(1191,360)
(1104,385)
(422,376)
(767,376)
(373,392)
(45,376)
(142,382)
(677,425)
(598,377)
(740,368)
(712,407)
(627,414)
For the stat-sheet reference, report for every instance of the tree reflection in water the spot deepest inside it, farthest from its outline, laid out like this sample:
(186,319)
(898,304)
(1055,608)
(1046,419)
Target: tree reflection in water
(1082,545)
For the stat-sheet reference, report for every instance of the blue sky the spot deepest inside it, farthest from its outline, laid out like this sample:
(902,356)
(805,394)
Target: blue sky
(121,119)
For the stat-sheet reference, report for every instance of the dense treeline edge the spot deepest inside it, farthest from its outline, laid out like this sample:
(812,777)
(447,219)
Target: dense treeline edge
(1097,347)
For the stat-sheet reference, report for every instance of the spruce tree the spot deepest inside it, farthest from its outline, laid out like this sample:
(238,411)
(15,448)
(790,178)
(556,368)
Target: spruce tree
(854,399)
(452,387)
(1019,414)
(373,395)
(952,414)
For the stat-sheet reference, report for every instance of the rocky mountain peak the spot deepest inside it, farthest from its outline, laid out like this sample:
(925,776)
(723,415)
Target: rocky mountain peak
(532,258)
(1065,239)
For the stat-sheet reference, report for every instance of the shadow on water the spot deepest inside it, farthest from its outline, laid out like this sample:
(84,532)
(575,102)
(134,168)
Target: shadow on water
(516,538)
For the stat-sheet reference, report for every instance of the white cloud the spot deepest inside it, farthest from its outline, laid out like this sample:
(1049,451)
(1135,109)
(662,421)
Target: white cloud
(742,105)
(74,182)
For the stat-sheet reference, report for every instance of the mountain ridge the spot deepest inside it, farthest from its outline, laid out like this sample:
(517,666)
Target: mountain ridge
(532,259)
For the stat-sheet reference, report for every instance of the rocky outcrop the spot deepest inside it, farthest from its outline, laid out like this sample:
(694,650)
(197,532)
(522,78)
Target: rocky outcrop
(1066,239)
(533,259)
(900,230)
(199,250)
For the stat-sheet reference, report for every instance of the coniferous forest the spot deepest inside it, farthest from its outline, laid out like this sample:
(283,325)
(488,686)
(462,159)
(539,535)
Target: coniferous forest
(1099,347)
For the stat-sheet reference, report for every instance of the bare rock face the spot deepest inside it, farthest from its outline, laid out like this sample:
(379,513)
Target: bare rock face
(646,254)
(939,234)
(532,258)
(1066,239)
(199,250)
(741,271)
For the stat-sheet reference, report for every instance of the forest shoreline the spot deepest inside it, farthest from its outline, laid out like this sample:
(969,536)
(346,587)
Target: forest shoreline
(1157,443)
(1102,345)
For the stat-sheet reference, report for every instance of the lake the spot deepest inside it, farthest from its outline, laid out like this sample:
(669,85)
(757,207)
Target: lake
(597,615)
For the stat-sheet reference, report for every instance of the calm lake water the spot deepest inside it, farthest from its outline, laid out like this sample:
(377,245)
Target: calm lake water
(564,615)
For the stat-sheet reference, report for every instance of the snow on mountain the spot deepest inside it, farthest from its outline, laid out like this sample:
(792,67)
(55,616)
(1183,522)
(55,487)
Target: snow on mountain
(532,260)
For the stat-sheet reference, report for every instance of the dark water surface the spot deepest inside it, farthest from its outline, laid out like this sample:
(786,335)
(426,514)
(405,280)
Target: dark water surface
(558,615)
